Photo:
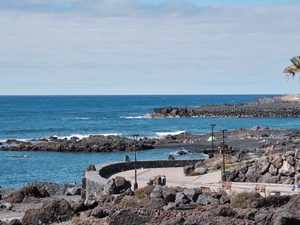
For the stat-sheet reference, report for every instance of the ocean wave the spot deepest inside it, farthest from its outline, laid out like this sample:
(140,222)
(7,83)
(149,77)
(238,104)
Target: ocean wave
(76,118)
(17,139)
(132,117)
(80,136)
(165,133)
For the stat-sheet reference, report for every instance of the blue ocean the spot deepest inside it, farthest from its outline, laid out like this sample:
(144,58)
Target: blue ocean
(28,117)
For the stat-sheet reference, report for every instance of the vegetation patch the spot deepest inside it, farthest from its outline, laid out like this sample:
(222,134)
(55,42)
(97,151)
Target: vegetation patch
(243,200)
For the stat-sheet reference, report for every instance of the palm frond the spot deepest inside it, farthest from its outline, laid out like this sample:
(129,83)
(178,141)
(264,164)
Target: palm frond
(296,61)
(291,69)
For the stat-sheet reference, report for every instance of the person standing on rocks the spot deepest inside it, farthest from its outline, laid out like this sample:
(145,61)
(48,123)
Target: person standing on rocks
(297,181)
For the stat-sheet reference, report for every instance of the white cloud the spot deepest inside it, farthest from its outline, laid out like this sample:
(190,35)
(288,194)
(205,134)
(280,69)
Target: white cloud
(123,47)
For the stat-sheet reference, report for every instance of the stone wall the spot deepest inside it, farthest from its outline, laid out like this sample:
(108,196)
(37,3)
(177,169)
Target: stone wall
(93,181)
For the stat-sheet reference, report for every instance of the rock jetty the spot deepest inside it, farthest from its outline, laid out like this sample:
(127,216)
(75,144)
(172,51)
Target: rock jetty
(262,107)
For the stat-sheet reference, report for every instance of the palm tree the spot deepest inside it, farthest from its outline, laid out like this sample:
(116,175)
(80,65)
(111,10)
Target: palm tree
(291,70)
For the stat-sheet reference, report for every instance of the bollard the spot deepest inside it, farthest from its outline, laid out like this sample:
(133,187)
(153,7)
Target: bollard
(164,181)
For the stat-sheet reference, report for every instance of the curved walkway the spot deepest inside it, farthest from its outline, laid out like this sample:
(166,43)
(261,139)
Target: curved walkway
(176,177)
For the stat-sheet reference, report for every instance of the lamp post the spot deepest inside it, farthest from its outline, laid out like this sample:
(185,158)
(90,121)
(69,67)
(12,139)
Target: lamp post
(135,136)
(212,140)
(223,175)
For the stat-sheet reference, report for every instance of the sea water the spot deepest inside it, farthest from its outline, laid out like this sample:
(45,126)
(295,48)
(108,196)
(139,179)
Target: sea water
(28,117)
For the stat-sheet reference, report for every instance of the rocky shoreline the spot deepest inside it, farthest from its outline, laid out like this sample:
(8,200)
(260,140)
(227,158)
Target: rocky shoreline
(117,203)
(255,138)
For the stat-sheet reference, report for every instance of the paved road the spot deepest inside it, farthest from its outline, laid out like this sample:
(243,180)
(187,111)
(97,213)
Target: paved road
(176,177)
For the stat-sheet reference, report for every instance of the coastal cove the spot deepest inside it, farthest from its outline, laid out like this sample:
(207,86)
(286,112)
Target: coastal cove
(31,117)
(65,168)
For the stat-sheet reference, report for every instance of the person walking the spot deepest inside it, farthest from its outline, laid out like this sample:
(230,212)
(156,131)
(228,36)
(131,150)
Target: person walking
(297,181)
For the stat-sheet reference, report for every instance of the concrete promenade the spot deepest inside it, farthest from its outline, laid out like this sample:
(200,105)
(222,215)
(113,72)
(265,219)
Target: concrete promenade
(175,177)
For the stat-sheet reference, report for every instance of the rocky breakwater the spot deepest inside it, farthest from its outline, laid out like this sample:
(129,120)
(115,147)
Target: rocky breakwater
(262,107)
(93,143)
(100,143)
(279,169)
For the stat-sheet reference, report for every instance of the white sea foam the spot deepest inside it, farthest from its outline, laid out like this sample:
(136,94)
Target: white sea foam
(162,134)
(132,117)
(76,118)
(183,151)
(18,139)
(80,136)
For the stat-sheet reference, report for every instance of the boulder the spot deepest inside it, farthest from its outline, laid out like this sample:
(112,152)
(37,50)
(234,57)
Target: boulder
(98,212)
(273,170)
(170,206)
(285,180)
(244,169)
(128,217)
(169,194)
(188,169)
(156,203)
(78,207)
(53,188)
(110,186)
(191,194)
(90,168)
(286,169)
(263,217)
(73,191)
(263,167)
(15,222)
(199,164)
(121,184)
(268,178)
(288,212)
(4,192)
(181,199)
(291,160)
(157,192)
(51,212)
(252,175)
(204,199)
(277,161)
(7,206)
(26,191)
(239,157)
(200,170)
(233,175)
(224,199)
(297,154)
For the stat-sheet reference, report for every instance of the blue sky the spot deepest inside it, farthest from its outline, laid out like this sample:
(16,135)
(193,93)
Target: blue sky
(75,47)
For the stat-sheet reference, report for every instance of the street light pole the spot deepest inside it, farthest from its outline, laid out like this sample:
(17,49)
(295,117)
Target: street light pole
(212,140)
(135,175)
(223,176)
